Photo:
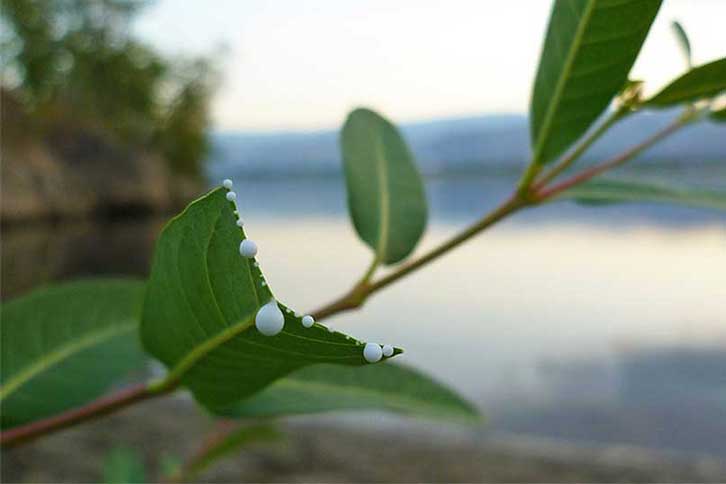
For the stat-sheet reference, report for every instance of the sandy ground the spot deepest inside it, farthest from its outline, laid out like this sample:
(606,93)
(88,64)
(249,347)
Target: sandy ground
(329,450)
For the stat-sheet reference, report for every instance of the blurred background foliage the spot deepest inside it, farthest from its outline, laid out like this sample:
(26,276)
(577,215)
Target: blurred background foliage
(76,61)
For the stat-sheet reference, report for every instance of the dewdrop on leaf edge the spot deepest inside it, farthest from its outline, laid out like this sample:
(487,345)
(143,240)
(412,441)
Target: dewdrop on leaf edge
(227,183)
(308,321)
(269,319)
(248,248)
(372,352)
(387,350)
(231,196)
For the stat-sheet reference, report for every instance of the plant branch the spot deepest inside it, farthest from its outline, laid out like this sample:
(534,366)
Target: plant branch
(566,162)
(545,193)
(354,298)
(223,428)
(529,176)
(227,438)
(97,408)
(358,295)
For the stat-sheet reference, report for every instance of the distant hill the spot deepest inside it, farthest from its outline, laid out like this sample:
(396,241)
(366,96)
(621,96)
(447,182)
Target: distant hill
(490,142)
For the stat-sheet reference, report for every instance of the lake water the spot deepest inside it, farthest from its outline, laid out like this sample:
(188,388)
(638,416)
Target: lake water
(597,324)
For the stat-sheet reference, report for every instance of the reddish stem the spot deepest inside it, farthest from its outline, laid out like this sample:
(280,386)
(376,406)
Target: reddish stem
(97,408)
(545,193)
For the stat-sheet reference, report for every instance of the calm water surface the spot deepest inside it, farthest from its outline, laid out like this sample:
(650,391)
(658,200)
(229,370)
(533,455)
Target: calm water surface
(595,324)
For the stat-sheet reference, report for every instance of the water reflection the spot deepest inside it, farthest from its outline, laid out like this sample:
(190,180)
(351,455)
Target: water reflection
(564,321)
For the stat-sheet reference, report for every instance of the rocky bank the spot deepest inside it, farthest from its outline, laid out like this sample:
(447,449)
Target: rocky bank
(67,170)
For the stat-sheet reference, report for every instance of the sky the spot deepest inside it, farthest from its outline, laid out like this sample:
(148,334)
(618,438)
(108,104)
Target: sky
(287,64)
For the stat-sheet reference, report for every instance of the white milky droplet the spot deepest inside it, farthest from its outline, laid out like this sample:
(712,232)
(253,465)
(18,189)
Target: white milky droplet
(307,321)
(372,352)
(227,183)
(269,319)
(240,223)
(387,350)
(248,249)
(231,196)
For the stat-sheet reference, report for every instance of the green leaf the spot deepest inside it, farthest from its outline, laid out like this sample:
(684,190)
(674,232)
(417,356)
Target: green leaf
(700,82)
(588,52)
(123,465)
(64,345)
(200,305)
(229,445)
(323,388)
(386,196)
(683,42)
(719,115)
(616,191)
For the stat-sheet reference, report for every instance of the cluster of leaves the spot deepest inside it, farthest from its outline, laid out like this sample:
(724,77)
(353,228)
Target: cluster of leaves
(196,312)
(588,53)
(75,60)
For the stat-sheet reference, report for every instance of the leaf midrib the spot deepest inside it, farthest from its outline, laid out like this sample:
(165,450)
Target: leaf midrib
(208,345)
(202,350)
(562,80)
(384,215)
(62,353)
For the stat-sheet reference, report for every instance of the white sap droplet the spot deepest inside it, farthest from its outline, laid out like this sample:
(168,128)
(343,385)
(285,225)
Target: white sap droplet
(240,223)
(248,249)
(269,319)
(307,321)
(231,196)
(372,352)
(227,183)
(387,350)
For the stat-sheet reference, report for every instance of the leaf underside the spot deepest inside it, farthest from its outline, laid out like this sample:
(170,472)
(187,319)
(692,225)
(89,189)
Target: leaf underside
(67,344)
(598,192)
(199,310)
(588,52)
(707,80)
(323,388)
(386,196)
